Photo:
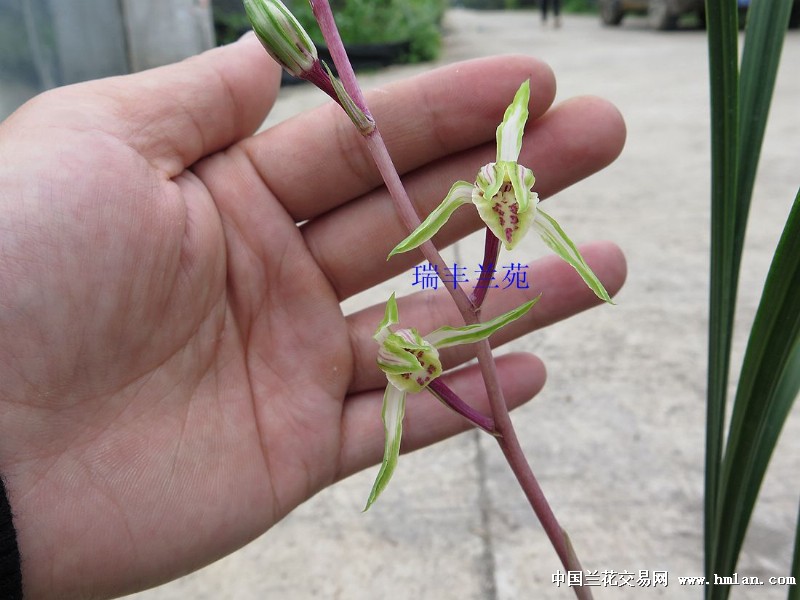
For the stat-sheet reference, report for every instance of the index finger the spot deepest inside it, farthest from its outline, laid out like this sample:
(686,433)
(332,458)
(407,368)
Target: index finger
(317,161)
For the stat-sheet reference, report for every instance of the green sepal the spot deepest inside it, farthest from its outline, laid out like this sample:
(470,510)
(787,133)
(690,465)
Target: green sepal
(509,132)
(460,193)
(394,404)
(454,336)
(391,316)
(559,242)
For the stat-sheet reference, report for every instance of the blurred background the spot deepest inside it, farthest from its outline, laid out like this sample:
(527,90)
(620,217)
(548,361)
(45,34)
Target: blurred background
(47,43)
(617,435)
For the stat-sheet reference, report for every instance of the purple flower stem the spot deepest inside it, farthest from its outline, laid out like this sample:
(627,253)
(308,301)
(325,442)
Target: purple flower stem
(449,398)
(327,25)
(503,428)
(491,250)
(319,77)
(509,443)
(380,154)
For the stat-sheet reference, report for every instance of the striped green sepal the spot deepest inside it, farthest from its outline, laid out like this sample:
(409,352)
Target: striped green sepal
(454,336)
(394,404)
(509,132)
(559,242)
(391,316)
(459,194)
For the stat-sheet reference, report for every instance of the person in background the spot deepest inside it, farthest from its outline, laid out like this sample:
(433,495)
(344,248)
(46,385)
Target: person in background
(555,5)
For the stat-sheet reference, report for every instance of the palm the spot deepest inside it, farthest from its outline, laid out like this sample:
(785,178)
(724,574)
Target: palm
(190,377)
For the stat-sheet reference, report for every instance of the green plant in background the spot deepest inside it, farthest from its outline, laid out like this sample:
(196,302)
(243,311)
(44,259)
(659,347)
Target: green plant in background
(363,22)
(770,376)
(496,4)
(229,25)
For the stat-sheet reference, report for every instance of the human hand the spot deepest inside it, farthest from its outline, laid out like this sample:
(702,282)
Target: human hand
(177,372)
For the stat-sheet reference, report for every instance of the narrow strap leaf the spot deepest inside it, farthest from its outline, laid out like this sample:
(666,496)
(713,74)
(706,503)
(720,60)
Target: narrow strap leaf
(723,60)
(559,242)
(394,404)
(509,132)
(767,388)
(459,194)
(453,336)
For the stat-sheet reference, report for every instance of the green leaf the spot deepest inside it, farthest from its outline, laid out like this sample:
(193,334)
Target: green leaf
(768,385)
(739,111)
(459,194)
(767,21)
(723,31)
(454,336)
(559,242)
(394,405)
(509,132)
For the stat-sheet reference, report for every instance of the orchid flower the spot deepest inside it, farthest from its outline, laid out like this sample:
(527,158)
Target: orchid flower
(502,194)
(411,363)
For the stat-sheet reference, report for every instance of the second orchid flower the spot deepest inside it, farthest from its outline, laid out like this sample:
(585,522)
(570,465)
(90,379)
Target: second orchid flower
(411,364)
(502,194)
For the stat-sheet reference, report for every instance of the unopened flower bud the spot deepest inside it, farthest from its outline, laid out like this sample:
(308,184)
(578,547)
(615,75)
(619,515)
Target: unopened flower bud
(282,35)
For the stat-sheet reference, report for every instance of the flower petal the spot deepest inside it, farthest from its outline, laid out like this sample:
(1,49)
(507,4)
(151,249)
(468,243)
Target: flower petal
(522,181)
(423,363)
(453,336)
(559,242)
(394,404)
(509,132)
(504,202)
(459,194)
(490,179)
(394,358)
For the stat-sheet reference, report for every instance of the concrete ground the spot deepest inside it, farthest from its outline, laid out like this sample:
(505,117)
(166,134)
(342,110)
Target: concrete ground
(617,435)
